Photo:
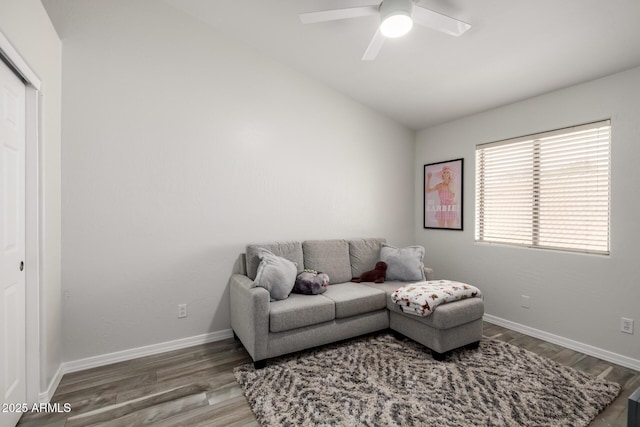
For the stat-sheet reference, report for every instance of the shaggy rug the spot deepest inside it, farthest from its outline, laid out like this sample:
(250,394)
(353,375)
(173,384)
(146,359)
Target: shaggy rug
(378,380)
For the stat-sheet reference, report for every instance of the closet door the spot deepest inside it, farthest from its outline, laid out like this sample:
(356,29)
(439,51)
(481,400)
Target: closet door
(12,247)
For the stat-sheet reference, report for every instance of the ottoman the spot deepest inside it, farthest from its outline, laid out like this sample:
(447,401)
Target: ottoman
(450,326)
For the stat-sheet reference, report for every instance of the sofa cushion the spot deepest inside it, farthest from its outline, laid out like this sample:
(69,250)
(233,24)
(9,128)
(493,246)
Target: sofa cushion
(330,257)
(352,299)
(449,315)
(300,310)
(445,316)
(289,250)
(275,274)
(388,288)
(405,264)
(363,255)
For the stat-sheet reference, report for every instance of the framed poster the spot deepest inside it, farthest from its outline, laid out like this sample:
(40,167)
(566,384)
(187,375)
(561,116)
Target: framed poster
(443,195)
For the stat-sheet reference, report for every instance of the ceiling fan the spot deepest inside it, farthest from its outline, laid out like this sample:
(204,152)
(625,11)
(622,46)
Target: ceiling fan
(396,19)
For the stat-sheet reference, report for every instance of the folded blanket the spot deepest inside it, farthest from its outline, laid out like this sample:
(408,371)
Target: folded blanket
(422,298)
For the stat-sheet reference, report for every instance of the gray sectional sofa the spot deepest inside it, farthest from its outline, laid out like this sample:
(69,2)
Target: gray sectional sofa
(268,328)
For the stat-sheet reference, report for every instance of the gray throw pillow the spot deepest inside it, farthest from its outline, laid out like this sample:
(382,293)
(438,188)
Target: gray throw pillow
(404,264)
(289,250)
(275,274)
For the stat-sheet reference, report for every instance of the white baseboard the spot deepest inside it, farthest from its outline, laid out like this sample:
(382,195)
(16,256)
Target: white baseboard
(133,353)
(587,349)
(45,397)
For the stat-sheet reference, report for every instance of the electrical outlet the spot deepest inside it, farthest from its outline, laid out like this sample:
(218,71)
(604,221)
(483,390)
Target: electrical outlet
(525,301)
(626,325)
(182,311)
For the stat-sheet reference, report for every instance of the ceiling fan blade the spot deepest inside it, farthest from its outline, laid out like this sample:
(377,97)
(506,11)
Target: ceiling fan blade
(439,22)
(337,14)
(374,46)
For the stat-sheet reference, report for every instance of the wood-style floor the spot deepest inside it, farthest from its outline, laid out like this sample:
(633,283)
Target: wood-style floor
(196,387)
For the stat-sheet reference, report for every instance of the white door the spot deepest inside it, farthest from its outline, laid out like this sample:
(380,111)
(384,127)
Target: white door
(12,246)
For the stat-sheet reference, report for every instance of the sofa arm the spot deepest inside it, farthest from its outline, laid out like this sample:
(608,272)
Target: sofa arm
(428,273)
(250,315)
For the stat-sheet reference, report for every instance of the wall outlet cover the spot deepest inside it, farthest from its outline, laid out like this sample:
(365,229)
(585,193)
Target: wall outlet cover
(626,325)
(182,311)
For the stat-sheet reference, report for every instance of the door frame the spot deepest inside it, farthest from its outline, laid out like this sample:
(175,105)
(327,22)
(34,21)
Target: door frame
(33,214)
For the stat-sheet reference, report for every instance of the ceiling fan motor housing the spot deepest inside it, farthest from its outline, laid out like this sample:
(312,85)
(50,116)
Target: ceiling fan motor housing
(395,17)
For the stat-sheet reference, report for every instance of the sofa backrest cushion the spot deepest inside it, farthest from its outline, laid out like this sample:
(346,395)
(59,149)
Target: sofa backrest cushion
(330,257)
(289,250)
(363,255)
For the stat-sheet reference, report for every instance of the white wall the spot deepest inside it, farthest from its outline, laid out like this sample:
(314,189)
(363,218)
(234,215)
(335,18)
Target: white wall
(574,296)
(179,148)
(26,25)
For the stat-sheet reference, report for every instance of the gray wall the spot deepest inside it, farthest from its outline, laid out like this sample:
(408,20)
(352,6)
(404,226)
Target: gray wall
(26,25)
(573,296)
(179,148)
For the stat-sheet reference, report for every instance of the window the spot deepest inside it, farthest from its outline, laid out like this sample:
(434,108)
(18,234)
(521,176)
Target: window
(549,190)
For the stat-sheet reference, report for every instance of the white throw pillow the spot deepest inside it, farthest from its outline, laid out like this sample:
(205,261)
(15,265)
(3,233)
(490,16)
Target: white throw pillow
(404,264)
(275,274)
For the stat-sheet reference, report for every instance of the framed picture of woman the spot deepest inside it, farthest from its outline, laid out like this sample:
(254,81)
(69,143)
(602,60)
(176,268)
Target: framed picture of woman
(443,195)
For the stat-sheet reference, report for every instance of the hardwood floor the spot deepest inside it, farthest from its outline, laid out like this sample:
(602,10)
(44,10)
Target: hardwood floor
(196,387)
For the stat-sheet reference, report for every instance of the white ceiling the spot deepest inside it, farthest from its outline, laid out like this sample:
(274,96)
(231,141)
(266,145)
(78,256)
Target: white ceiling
(515,49)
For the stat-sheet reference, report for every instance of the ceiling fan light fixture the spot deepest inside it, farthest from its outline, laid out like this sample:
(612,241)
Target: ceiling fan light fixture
(395,17)
(396,26)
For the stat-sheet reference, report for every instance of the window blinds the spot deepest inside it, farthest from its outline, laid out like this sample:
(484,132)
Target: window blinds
(549,190)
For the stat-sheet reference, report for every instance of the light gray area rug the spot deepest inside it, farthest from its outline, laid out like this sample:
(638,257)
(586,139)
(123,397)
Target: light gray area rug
(379,380)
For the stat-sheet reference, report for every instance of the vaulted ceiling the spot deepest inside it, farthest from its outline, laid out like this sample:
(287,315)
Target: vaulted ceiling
(514,50)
